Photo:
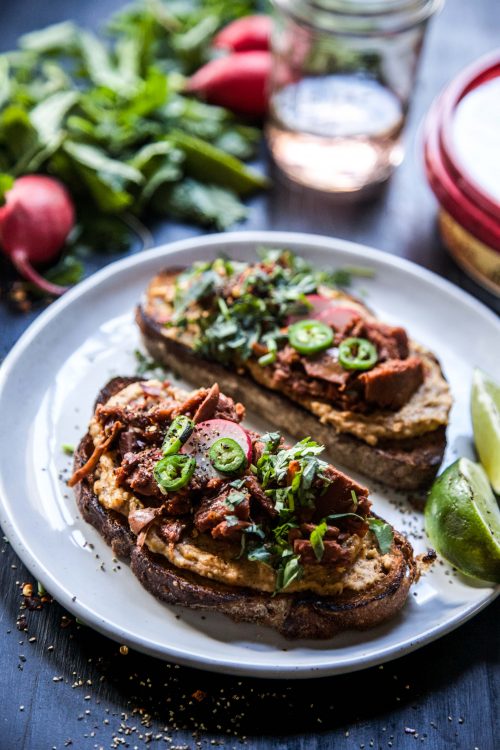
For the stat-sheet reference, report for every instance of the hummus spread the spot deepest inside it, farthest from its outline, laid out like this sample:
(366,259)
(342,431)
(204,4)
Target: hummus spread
(218,561)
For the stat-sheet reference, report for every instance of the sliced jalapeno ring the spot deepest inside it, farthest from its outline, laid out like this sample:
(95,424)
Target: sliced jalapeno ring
(227,456)
(177,434)
(357,354)
(173,472)
(310,336)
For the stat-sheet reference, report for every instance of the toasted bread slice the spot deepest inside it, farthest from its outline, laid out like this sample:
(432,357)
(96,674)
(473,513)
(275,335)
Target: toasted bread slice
(294,615)
(404,463)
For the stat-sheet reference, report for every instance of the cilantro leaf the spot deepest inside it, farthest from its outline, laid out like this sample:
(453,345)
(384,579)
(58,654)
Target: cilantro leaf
(316,539)
(383,533)
(289,571)
(204,203)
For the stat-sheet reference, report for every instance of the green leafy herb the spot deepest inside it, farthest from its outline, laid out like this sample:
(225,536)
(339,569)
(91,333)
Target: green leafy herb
(68,449)
(207,204)
(232,520)
(147,366)
(259,554)
(108,116)
(242,309)
(383,533)
(41,590)
(316,539)
(68,271)
(234,498)
(289,571)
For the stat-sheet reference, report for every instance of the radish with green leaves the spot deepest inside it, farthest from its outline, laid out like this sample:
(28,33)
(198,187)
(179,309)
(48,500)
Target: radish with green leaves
(35,220)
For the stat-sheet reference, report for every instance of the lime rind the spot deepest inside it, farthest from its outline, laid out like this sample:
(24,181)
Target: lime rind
(485,412)
(462,520)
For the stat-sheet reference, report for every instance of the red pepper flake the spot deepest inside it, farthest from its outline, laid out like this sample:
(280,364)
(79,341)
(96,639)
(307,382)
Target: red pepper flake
(199,695)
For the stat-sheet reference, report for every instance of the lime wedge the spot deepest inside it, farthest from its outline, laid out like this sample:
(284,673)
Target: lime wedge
(485,407)
(462,520)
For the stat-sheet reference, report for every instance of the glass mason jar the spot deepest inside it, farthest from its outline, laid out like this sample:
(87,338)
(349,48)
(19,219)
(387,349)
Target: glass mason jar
(342,78)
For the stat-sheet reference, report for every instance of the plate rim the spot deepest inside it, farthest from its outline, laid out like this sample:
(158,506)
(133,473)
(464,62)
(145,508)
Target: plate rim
(250,237)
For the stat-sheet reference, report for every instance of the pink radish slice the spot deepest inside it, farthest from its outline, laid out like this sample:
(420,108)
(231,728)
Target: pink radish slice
(338,316)
(205,435)
(328,311)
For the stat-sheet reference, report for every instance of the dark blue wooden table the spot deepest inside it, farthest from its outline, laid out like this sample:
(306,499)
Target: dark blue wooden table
(62,685)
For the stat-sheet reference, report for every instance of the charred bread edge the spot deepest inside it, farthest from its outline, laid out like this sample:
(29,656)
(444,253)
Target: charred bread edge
(408,464)
(293,615)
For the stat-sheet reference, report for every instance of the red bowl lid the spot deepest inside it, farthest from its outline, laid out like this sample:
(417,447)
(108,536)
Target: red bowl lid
(463,170)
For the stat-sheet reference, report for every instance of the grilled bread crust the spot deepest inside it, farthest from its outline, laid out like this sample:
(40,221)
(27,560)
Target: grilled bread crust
(406,464)
(293,615)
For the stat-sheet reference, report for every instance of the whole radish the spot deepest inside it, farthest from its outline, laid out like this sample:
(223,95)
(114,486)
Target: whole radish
(248,33)
(35,221)
(237,81)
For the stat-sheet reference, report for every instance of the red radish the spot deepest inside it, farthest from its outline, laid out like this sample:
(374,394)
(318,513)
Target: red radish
(205,435)
(338,316)
(328,311)
(249,33)
(34,223)
(237,81)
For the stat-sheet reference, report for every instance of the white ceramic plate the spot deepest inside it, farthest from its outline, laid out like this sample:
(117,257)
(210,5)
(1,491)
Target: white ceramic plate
(47,387)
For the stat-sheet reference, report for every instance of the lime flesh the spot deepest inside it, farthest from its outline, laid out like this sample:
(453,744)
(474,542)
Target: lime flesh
(462,520)
(485,409)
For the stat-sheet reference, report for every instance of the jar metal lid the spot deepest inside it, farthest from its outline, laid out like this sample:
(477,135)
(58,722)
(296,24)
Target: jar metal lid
(464,195)
(360,17)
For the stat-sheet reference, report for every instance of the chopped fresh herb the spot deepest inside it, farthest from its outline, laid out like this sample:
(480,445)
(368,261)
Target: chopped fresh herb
(41,590)
(289,571)
(146,366)
(383,533)
(235,498)
(259,554)
(232,520)
(354,499)
(68,449)
(238,484)
(267,359)
(316,539)
(338,516)
(271,441)
(243,310)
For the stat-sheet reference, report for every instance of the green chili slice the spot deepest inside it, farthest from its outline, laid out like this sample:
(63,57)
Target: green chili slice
(310,336)
(227,456)
(357,354)
(177,434)
(173,472)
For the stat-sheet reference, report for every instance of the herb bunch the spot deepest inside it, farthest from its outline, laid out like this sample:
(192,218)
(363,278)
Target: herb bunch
(106,114)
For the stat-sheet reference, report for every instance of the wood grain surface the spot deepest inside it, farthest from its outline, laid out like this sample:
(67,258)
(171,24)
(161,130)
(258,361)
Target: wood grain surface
(62,685)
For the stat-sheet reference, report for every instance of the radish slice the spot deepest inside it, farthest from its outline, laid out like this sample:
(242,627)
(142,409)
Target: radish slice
(338,316)
(205,435)
(328,311)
